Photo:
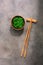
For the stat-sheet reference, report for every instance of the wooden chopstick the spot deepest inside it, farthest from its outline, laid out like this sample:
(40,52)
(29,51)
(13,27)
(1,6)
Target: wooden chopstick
(25,42)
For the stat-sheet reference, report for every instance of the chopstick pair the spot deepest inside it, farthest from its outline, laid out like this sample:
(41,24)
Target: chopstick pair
(25,47)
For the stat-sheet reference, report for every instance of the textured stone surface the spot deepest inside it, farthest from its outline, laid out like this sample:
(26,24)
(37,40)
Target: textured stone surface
(12,41)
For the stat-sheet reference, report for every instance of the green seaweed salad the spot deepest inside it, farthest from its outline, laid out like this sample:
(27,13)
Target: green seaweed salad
(18,22)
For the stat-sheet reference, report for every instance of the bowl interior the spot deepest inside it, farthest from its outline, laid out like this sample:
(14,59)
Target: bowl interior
(18,22)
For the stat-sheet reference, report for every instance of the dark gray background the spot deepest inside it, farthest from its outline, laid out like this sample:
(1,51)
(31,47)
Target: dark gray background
(12,41)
